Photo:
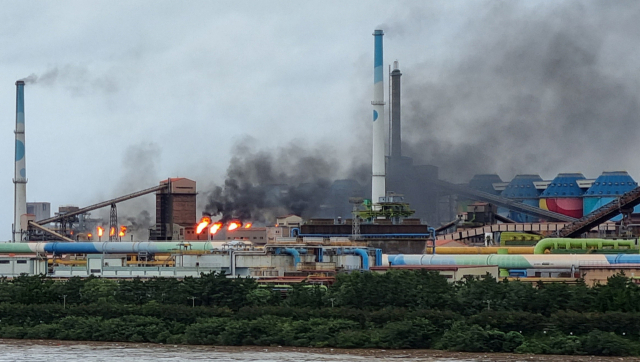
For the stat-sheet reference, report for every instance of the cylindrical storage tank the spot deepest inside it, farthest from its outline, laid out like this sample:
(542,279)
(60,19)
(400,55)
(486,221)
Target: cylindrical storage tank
(606,188)
(522,189)
(563,195)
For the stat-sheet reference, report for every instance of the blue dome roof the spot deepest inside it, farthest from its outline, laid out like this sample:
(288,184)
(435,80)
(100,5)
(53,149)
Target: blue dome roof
(564,185)
(521,187)
(484,182)
(611,184)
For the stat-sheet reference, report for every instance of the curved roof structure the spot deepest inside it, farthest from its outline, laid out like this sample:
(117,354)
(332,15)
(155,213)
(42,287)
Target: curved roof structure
(611,184)
(564,185)
(484,183)
(521,187)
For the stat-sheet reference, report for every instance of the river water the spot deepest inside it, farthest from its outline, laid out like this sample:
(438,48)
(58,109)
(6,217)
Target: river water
(36,351)
(67,351)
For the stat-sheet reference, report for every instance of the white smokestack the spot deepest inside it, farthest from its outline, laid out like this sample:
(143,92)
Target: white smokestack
(20,176)
(378,162)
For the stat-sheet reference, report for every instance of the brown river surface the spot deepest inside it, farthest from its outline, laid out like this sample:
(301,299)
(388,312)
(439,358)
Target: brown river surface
(65,351)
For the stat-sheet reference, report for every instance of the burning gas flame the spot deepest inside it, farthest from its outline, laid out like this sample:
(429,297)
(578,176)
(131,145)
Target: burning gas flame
(100,231)
(112,231)
(123,230)
(234,225)
(215,227)
(89,235)
(203,224)
(248,225)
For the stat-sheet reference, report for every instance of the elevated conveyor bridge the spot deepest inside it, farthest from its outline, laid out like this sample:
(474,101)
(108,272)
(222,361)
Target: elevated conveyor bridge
(502,201)
(624,204)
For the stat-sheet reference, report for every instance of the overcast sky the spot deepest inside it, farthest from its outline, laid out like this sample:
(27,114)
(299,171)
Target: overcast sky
(131,92)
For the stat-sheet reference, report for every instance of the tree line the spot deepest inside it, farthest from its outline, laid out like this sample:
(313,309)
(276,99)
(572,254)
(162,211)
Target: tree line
(397,309)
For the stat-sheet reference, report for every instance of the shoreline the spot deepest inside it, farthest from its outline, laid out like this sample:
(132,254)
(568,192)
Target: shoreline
(427,354)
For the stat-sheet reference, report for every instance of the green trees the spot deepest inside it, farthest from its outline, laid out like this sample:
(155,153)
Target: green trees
(398,309)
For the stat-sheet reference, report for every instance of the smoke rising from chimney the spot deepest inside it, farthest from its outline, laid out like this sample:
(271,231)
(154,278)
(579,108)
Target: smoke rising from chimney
(77,79)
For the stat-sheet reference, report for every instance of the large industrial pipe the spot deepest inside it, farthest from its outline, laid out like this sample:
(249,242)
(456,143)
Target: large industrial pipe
(378,162)
(481,250)
(125,247)
(363,254)
(546,261)
(294,253)
(104,247)
(20,172)
(555,243)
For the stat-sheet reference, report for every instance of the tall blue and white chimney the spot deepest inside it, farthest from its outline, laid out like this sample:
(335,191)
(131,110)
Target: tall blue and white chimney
(20,176)
(378,162)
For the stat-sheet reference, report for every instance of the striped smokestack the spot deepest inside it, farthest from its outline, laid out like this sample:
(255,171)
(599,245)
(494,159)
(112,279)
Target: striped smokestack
(378,162)
(20,176)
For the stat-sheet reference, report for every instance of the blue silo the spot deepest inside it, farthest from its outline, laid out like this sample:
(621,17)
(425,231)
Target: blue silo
(606,188)
(522,189)
(563,195)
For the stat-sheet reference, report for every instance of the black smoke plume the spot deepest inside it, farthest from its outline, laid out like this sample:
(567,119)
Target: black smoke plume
(526,87)
(77,79)
(261,185)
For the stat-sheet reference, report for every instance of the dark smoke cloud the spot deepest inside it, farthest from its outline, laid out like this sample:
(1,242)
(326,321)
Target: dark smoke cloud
(540,89)
(515,87)
(263,184)
(139,170)
(76,79)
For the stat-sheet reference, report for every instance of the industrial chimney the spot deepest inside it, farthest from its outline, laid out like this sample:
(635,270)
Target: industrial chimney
(378,162)
(395,138)
(20,176)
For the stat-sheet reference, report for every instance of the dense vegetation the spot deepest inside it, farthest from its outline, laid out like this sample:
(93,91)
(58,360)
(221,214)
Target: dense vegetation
(399,309)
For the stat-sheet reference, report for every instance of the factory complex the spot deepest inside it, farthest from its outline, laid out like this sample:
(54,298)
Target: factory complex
(563,229)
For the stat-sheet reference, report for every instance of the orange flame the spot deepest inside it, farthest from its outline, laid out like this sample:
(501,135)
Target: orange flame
(89,235)
(215,227)
(203,224)
(248,225)
(234,225)
(123,230)
(100,230)
(112,231)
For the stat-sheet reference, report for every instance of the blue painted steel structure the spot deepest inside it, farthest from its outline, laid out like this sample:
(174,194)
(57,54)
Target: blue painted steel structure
(484,183)
(606,188)
(522,189)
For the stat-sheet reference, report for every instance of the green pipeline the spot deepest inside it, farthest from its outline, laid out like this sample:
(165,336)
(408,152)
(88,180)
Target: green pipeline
(564,243)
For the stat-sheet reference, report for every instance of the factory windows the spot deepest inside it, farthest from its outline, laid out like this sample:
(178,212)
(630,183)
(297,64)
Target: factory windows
(4,261)
(21,261)
(261,237)
(94,271)
(571,185)
(565,185)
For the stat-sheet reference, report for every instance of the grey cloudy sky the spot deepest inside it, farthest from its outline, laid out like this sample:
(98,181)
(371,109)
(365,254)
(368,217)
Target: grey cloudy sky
(130,92)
